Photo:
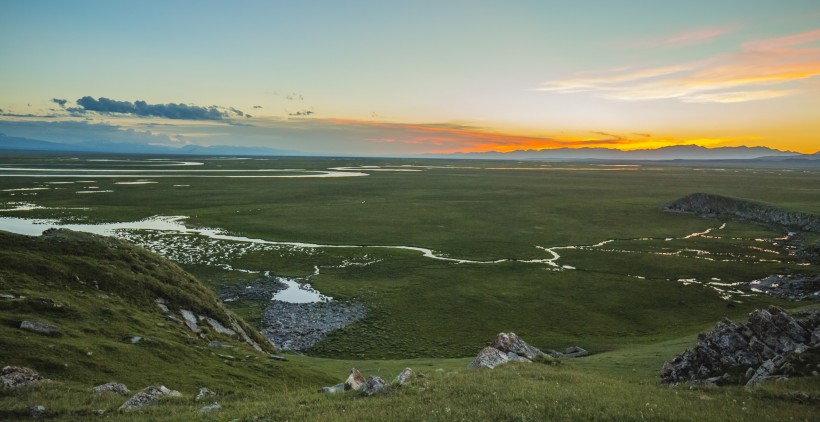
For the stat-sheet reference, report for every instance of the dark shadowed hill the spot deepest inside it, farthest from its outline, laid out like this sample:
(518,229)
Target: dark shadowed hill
(709,205)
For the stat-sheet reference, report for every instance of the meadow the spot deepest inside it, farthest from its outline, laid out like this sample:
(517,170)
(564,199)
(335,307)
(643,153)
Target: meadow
(631,283)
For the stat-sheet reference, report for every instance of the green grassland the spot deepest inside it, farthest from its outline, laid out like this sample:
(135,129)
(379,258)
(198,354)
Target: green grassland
(622,300)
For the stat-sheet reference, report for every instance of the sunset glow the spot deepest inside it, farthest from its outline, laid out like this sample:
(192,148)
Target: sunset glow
(386,79)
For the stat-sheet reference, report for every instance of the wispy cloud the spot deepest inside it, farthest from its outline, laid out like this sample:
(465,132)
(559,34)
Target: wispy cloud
(738,77)
(686,38)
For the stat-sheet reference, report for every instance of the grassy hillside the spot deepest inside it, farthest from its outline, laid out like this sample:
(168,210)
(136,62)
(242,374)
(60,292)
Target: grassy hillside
(100,292)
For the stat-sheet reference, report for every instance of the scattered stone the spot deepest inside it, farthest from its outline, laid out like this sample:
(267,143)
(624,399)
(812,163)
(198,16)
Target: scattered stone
(298,326)
(574,352)
(5,296)
(373,385)
(203,393)
(489,357)
(355,381)
(771,344)
(210,408)
(218,327)
(279,358)
(163,305)
(219,345)
(791,287)
(37,411)
(18,376)
(135,339)
(148,396)
(39,327)
(112,387)
(190,320)
(404,376)
(338,388)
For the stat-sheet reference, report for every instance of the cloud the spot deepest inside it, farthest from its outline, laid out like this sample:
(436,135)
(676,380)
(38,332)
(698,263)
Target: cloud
(257,106)
(730,78)
(59,101)
(141,108)
(301,113)
(687,38)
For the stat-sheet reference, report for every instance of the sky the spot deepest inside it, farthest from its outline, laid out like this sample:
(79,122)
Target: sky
(398,77)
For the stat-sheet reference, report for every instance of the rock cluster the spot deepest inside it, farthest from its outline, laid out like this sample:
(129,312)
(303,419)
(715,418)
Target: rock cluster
(298,326)
(203,393)
(771,344)
(112,387)
(508,347)
(41,328)
(148,396)
(791,287)
(18,376)
(372,384)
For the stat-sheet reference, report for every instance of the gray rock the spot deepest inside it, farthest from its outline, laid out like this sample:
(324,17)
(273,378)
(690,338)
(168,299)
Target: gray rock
(765,345)
(373,385)
(218,327)
(404,376)
(709,205)
(510,342)
(18,376)
(163,305)
(219,345)
(148,396)
(513,357)
(112,387)
(355,381)
(489,357)
(37,411)
(39,327)
(338,388)
(574,352)
(203,393)
(135,339)
(190,320)
(210,408)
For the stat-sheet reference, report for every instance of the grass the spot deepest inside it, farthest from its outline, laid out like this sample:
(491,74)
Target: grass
(423,313)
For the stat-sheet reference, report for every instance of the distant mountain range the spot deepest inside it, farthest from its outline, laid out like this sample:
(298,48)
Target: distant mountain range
(9,143)
(683,152)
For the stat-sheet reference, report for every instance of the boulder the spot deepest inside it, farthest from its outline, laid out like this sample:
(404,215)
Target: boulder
(37,411)
(190,320)
(574,352)
(355,381)
(18,376)
(373,385)
(39,327)
(203,393)
(210,408)
(489,357)
(404,376)
(759,349)
(112,387)
(218,327)
(510,342)
(148,396)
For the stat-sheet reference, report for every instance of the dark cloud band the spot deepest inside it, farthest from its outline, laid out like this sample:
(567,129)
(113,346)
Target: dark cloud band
(168,111)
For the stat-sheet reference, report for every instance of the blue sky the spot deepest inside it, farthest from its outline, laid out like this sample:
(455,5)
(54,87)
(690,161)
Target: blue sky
(386,77)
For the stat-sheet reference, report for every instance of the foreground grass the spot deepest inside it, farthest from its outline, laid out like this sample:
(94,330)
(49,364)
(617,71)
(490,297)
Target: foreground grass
(515,392)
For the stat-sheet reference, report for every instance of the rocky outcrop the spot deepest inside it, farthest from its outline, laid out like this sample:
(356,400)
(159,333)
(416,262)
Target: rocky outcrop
(112,387)
(19,376)
(771,343)
(372,384)
(708,205)
(508,347)
(791,286)
(149,396)
(41,328)
(298,326)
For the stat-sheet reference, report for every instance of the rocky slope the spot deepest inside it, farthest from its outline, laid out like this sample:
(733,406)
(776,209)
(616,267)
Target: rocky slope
(709,205)
(772,344)
(91,309)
